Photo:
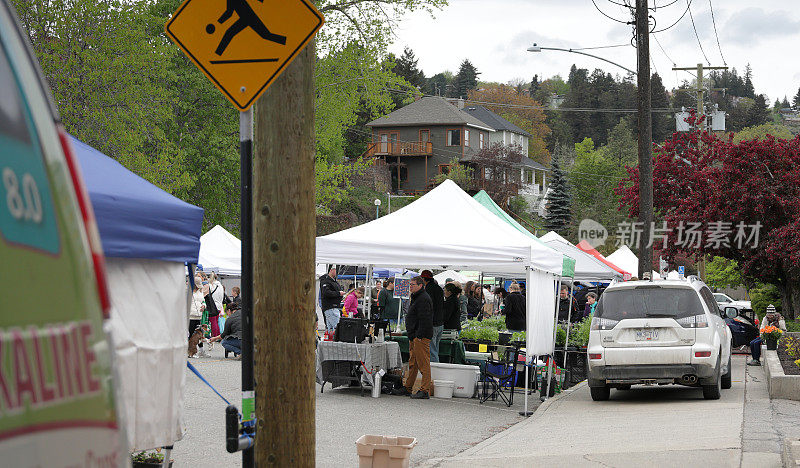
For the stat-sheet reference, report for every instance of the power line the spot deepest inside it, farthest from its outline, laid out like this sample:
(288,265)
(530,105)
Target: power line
(696,35)
(607,16)
(603,47)
(676,22)
(715,33)
(542,108)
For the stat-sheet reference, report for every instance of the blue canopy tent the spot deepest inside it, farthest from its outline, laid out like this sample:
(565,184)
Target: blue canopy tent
(148,236)
(135,218)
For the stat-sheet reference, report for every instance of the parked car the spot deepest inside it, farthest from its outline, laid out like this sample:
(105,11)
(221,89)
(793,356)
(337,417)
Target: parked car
(57,399)
(725,300)
(658,332)
(744,325)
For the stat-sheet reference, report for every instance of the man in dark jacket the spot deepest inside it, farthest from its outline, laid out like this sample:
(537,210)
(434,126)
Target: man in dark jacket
(330,293)
(231,335)
(514,309)
(437,297)
(419,325)
(564,301)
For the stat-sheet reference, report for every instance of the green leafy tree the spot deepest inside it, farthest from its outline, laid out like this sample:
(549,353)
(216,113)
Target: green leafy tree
(439,83)
(723,273)
(458,173)
(761,132)
(559,201)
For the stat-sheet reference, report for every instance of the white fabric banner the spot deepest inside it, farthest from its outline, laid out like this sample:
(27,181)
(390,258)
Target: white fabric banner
(541,303)
(149,330)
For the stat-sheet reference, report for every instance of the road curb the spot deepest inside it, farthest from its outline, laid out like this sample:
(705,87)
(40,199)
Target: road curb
(779,384)
(791,453)
(537,413)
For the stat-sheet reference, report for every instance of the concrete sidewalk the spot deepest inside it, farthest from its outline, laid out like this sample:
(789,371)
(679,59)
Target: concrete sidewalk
(646,426)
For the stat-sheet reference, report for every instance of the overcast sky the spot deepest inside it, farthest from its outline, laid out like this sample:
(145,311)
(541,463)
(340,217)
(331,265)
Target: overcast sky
(493,35)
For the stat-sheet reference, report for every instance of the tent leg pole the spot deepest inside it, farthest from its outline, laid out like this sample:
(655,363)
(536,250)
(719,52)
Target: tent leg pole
(545,390)
(528,300)
(569,323)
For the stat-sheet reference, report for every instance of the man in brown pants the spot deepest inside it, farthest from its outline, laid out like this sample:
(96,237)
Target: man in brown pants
(419,325)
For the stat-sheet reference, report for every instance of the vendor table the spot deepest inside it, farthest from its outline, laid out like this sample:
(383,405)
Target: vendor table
(340,363)
(450,351)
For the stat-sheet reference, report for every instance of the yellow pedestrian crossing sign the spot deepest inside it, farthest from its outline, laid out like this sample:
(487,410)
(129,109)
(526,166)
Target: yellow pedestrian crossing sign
(243,45)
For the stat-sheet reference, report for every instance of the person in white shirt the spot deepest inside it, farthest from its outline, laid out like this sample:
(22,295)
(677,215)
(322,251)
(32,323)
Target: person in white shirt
(196,307)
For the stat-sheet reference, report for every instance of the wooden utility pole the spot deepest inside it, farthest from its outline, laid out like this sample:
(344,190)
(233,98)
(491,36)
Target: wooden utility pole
(645,138)
(284,229)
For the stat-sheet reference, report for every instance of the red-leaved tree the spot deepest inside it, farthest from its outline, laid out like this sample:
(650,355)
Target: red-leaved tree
(699,178)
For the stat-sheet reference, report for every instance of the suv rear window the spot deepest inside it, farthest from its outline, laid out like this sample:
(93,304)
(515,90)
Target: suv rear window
(649,301)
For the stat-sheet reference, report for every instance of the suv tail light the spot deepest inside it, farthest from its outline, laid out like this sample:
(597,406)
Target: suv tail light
(599,323)
(89,224)
(695,321)
(702,354)
(596,356)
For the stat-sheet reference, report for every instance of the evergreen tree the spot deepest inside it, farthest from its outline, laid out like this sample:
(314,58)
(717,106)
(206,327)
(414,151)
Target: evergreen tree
(465,80)
(796,100)
(559,214)
(663,124)
(534,86)
(749,90)
(406,68)
(777,106)
(759,113)
(785,102)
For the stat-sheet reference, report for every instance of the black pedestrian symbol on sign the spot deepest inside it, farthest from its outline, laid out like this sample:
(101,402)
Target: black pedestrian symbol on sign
(247,19)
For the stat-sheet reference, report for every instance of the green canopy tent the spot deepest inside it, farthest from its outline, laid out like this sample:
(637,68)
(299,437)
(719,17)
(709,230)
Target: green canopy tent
(568,266)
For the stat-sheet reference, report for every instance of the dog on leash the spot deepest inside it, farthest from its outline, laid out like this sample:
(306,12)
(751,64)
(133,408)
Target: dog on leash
(198,336)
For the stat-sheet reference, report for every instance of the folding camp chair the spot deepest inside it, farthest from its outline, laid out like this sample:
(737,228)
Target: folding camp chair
(500,377)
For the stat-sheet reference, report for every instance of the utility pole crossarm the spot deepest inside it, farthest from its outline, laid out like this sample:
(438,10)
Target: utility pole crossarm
(695,68)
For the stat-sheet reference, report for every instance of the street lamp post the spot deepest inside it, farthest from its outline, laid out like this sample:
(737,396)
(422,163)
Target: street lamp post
(537,48)
(377,207)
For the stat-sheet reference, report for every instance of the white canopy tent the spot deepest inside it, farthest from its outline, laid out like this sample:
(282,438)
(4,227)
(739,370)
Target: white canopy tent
(442,277)
(448,229)
(444,229)
(221,252)
(628,261)
(587,268)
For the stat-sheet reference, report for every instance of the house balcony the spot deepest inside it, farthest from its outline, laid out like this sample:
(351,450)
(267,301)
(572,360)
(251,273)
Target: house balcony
(401,148)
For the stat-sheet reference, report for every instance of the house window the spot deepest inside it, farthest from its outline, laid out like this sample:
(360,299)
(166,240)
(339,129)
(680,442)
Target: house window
(424,136)
(454,137)
(466,137)
(444,168)
(481,140)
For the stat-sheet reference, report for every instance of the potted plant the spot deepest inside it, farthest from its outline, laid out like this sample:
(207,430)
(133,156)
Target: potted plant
(145,459)
(771,334)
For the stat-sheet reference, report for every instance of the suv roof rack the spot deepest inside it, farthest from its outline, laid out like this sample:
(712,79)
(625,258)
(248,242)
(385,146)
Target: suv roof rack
(692,278)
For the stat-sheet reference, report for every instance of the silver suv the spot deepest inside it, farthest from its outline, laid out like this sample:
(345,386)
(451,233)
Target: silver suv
(658,332)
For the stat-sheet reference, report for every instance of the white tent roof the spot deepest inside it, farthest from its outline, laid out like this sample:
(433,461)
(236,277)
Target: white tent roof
(442,277)
(628,261)
(587,267)
(445,229)
(221,251)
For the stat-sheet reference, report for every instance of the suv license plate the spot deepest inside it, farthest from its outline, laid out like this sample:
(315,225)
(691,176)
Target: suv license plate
(646,335)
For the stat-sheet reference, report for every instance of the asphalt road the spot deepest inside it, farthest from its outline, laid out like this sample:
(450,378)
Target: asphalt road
(442,427)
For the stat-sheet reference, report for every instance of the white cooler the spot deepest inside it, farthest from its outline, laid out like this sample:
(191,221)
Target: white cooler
(464,377)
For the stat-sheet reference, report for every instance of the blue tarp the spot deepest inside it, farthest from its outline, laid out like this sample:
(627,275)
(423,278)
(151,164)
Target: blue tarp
(135,218)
